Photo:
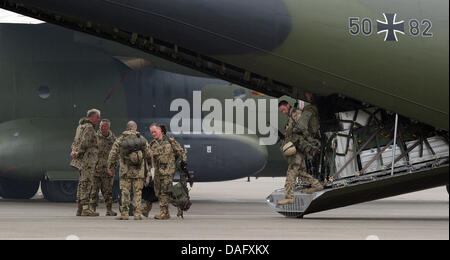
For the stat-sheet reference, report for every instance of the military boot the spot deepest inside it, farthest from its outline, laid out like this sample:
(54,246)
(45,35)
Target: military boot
(86,212)
(146,210)
(286,201)
(180,213)
(137,217)
(122,217)
(163,215)
(316,186)
(109,211)
(79,210)
(93,208)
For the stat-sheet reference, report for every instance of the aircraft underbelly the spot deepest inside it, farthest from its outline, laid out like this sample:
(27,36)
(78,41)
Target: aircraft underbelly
(298,45)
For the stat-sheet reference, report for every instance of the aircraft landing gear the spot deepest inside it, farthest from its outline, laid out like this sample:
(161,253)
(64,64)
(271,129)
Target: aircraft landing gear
(59,191)
(11,189)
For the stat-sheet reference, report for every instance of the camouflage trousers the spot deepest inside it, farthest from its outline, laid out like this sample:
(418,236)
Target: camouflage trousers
(149,205)
(105,184)
(163,183)
(296,169)
(84,187)
(126,185)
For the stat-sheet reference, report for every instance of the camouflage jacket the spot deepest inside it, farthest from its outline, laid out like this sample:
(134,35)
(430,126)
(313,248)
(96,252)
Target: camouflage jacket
(293,129)
(105,144)
(309,121)
(303,123)
(164,154)
(126,171)
(85,145)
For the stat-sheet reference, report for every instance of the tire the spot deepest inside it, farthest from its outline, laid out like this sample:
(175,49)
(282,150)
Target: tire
(12,189)
(59,191)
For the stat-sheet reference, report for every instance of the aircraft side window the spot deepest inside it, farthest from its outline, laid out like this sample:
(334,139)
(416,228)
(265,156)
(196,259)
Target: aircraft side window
(43,92)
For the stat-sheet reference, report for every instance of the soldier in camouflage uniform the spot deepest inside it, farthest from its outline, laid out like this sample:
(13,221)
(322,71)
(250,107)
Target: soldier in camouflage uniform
(164,151)
(132,169)
(299,129)
(84,158)
(183,163)
(101,178)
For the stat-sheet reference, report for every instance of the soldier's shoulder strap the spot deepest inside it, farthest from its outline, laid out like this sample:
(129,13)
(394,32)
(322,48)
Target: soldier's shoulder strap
(171,139)
(173,142)
(294,110)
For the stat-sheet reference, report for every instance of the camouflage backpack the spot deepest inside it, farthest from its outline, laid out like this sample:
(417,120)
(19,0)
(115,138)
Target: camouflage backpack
(180,196)
(309,146)
(132,149)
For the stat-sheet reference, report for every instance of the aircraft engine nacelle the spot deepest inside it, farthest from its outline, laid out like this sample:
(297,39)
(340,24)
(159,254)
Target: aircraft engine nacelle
(223,157)
(30,147)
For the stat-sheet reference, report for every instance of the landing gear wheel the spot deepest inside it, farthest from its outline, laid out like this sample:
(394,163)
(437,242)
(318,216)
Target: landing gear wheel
(59,191)
(11,189)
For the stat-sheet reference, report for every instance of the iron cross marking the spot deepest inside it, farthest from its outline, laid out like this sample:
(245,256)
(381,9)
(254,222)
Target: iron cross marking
(390,27)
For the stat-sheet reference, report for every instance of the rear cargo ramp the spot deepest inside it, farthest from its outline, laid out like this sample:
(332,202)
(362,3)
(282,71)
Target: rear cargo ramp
(368,189)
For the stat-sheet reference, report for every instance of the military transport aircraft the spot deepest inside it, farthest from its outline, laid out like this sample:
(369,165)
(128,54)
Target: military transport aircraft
(377,58)
(50,76)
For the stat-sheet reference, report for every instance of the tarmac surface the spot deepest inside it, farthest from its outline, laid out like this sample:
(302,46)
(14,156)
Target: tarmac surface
(236,210)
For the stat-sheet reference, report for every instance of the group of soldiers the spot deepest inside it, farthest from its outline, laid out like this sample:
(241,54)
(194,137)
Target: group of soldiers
(300,142)
(96,155)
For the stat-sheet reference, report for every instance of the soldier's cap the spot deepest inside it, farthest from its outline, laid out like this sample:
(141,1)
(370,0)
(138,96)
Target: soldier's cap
(283,103)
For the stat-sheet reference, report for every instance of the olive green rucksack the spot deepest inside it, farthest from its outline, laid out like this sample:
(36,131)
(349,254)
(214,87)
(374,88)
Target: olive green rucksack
(132,149)
(180,196)
(309,146)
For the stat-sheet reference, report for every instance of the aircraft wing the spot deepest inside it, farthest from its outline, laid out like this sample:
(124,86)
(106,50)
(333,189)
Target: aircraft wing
(362,50)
